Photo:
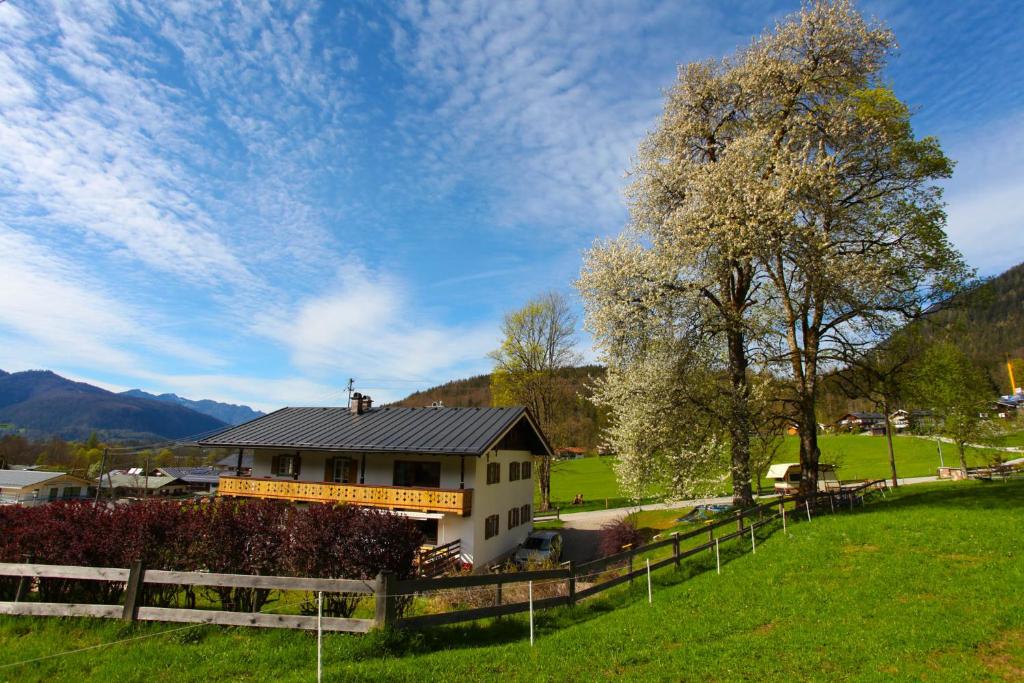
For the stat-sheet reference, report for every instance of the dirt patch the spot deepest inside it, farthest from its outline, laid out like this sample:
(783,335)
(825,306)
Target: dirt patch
(764,629)
(851,548)
(1005,657)
(961,558)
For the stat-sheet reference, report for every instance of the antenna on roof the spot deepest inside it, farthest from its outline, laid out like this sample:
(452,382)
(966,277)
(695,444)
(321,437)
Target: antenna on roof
(351,382)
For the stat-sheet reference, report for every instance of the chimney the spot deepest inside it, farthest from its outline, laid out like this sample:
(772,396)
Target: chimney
(359,403)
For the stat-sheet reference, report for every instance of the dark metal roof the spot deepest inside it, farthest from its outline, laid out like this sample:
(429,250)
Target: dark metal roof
(453,431)
(193,475)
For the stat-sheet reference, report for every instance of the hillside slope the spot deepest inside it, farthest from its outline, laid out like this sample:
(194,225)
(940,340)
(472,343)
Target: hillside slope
(988,324)
(44,403)
(229,413)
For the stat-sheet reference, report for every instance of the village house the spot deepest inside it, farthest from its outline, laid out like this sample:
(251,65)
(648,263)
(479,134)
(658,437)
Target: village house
(134,483)
(33,487)
(862,422)
(198,479)
(465,475)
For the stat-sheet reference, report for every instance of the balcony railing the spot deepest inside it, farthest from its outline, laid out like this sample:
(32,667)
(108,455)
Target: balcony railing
(455,501)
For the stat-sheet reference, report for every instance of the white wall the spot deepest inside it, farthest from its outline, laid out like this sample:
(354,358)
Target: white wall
(499,499)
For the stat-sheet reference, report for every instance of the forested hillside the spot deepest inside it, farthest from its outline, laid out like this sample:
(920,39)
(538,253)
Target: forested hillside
(581,421)
(988,324)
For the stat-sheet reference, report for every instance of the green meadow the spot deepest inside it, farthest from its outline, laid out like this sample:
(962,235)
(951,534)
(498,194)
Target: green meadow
(926,584)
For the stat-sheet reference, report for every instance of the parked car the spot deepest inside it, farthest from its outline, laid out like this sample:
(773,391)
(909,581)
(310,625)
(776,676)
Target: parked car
(539,547)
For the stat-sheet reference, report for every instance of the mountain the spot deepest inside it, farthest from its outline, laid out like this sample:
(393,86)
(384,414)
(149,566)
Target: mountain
(225,412)
(44,403)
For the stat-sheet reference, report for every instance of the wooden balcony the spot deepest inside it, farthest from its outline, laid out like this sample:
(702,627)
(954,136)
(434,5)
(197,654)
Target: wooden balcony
(454,501)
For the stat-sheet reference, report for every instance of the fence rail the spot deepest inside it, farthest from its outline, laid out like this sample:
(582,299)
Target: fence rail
(389,593)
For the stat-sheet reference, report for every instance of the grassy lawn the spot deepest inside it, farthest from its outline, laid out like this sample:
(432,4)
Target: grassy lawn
(858,457)
(867,457)
(925,585)
(593,477)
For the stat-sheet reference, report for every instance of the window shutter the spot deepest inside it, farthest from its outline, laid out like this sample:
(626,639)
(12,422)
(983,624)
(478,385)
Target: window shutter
(329,469)
(296,465)
(275,464)
(353,471)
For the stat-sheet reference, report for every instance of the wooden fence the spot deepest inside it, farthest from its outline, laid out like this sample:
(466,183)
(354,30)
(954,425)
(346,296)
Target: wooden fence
(389,592)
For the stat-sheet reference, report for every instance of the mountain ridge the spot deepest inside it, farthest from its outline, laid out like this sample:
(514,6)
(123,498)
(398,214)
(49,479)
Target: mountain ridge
(229,413)
(43,403)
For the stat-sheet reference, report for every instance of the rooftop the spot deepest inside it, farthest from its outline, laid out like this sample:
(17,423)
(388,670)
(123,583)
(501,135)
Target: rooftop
(441,430)
(16,479)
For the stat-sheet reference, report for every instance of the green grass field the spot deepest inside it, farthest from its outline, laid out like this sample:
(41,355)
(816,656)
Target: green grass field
(858,457)
(927,584)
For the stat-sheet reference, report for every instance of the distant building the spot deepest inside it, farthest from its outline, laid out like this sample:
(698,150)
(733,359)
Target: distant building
(570,452)
(28,487)
(199,479)
(135,484)
(861,422)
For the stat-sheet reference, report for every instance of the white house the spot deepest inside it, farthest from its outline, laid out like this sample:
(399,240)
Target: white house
(464,474)
(34,487)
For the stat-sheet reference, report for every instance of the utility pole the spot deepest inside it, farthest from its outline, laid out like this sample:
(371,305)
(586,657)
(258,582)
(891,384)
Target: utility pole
(99,480)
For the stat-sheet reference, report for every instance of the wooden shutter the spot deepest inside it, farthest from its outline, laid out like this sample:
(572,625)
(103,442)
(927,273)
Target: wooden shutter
(353,471)
(275,464)
(329,469)
(296,465)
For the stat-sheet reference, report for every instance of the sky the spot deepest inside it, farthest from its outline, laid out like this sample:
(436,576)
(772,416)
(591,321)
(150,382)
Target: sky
(254,202)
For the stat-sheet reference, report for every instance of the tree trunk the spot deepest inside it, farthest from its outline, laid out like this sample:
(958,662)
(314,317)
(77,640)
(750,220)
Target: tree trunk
(809,452)
(544,479)
(739,422)
(888,437)
(963,456)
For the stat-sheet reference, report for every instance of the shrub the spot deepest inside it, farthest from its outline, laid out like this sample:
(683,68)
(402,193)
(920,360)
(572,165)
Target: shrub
(617,534)
(255,537)
(348,542)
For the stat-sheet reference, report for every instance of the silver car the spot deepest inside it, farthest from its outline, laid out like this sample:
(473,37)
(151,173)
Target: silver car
(538,548)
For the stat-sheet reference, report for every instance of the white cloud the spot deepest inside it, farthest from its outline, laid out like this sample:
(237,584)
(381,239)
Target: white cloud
(366,326)
(56,314)
(986,213)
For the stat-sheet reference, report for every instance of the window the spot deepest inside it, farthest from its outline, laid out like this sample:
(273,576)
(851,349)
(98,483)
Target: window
(286,465)
(72,492)
(491,526)
(411,473)
(524,514)
(513,471)
(526,471)
(513,518)
(342,470)
(493,473)
(54,492)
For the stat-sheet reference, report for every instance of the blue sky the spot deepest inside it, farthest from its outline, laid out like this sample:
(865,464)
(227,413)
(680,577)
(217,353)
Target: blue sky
(254,202)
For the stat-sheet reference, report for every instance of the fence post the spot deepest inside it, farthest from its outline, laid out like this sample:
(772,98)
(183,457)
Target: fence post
(497,595)
(739,520)
(571,583)
(384,599)
(711,534)
(630,564)
(675,547)
(133,591)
